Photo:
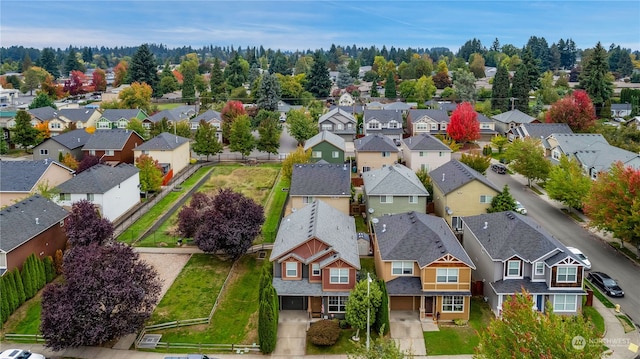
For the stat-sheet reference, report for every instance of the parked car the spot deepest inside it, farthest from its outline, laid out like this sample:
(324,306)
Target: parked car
(520,208)
(581,257)
(606,283)
(20,354)
(499,168)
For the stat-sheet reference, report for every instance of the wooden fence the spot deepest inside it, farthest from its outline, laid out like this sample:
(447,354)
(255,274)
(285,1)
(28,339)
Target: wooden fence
(24,338)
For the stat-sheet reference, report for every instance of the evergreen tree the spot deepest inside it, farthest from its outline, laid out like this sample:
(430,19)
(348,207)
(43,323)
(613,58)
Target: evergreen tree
(168,82)
(27,281)
(4,147)
(189,70)
(381,324)
(595,78)
(269,140)
(390,86)
(23,133)
(42,100)
(532,66)
(48,62)
(241,139)
(318,80)
(11,292)
(465,86)
(520,88)
(50,269)
(267,320)
(142,68)
(216,82)
(71,63)
(22,297)
(268,94)
(354,68)
(205,140)
(504,201)
(235,73)
(4,301)
(344,77)
(500,96)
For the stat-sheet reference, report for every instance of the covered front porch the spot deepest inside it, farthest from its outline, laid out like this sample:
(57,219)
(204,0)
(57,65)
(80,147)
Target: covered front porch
(310,298)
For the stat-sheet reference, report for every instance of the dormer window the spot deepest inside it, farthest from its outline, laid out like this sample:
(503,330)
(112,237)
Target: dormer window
(393,124)
(373,125)
(291,269)
(539,268)
(513,268)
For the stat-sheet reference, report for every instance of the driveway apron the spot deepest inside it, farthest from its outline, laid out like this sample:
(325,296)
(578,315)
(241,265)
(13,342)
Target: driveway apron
(406,330)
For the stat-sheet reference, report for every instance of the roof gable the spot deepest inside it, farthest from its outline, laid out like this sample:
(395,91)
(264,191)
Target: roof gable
(516,116)
(383,116)
(424,115)
(98,179)
(162,142)
(207,116)
(393,180)
(425,142)
(375,143)
(455,174)
(22,176)
(337,115)
(320,180)
(325,136)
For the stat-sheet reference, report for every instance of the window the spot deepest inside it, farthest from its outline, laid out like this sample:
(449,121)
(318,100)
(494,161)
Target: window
(486,199)
(424,167)
(366,169)
(291,269)
(339,275)
(315,269)
(564,303)
(539,268)
(349,126)
(452,303)
(335,154)
(456,223)
(485,126)
(386,154)
(44,151)
(307,199)
(316,154)
(327,127)
(123,123)
(413,199)
(434,126)
(393,124)
(567,274)
(555,154)
(421,126)
(108,152)
(104,124)
(441,154)
(386,199)
(55,125)
(422,154)
(62,223)
(65,196)
(338,304)
(92,152)
(194,125)
(145,152)
(513,268)
(447,275)
(340,127)
(443,126)
(373,125)
(402,268)
(89,197)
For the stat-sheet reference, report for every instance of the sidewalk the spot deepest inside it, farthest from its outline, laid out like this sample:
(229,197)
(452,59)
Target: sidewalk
(620,344)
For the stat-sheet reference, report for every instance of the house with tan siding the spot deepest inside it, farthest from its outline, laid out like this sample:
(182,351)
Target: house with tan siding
(171,151)
(375,151)
(330,183)
(20,179)
(424,266)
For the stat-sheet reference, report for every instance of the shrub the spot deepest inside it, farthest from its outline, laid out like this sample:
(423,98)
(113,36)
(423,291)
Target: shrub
(324,332)
(487,150)
(460,322)
(343,324)
(57,260)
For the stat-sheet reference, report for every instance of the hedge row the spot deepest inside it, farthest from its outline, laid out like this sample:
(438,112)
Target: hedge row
(268,313)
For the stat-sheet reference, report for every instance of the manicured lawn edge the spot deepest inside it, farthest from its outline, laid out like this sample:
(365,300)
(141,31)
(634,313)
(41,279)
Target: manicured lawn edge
(598,294)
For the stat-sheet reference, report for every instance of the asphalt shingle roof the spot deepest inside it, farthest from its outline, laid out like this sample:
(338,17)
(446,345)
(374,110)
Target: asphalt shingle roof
(436,115)
(541,130)
(515,286)
(72,139)
(327,224)
(22,176)
(115,115)
(44,113)
(425,142)
(114,139)
(601,156)
(162,142)
(320,180)
(393,180)
(177,114)
(383,116)
(18,221)
(301,288)
(77,114)
(375,143)
(98,179)
(337,115)
(417,237)
(455,174)
(208,116)
(325,136)
(516,116)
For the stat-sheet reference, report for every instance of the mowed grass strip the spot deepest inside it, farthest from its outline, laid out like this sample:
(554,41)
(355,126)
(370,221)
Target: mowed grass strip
(194,291)
(254,182)
(26,319)
(236,318)
(273,210)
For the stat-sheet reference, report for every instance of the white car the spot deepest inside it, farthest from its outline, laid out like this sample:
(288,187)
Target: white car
(520,208)
(578,253)
(19,354)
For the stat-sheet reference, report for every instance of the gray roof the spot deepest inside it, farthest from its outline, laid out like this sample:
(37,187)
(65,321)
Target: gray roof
(398,105)
(320,180)
(516,116)
(18,221)
(207,116)
(383,116)
(516,285)
(540,130)
(418,237)
(448,106)
(436,115)
(393,180)
(455,174)
(509,234)
(77,114)
(44,113)
(601,156)
(176,114)
(621,106)
(412,286)
(301,288)
(325,136)
(339,115)
(573,142)
(375,143)
(22,176)
(114,139)
(350,109)
(162,142)
(115,115)
(425,142)
(72,139)
(327,224)
(98,179)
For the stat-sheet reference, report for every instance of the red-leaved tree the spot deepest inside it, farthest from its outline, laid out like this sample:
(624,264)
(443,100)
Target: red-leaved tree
(576,110)
(99,80)
(464,126)
(87,162)
(229,113)
(190,217)
(107,292)
(85,225)
(75,82)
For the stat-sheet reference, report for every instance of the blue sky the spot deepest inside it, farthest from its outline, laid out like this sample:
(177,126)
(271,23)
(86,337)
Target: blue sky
(291,25)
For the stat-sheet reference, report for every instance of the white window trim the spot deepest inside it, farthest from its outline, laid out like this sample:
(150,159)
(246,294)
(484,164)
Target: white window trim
(287,269)
(402,266)
(519,268)
(455,301)
(485,199)
(315,269)
(564,303)
(387,199)
(449,274)
(335,154)
(307,199)
(339,274)
(567,275)
(541,265)
(413,199)
(339,303)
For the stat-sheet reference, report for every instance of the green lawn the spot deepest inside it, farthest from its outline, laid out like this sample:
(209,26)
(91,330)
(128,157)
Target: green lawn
(194,291)
(273,210)
(169,106)
(598,294)
(592,315)
(26,319)
(236,318)
(455,340)
(368,264)
(361,225)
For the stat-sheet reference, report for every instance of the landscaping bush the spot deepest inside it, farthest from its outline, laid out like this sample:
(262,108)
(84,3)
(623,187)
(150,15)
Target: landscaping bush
(381,323)
(343,324)
(324,332)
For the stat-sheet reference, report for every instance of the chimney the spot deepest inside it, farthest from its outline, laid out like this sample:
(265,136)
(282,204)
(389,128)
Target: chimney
(443,177)
(37,220)
(486,225)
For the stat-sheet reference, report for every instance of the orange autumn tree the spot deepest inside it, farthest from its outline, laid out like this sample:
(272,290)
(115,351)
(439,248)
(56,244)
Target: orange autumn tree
(43,127)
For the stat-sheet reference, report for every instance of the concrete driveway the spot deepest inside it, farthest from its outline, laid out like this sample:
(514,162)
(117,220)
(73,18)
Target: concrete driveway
(292,333)
(406,329)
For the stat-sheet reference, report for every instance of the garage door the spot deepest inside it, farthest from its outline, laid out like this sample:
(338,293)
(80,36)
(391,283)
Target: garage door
(293,303)
(401,303)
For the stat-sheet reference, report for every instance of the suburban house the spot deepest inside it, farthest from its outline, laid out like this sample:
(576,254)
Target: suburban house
(620,109)
(384,122)
(20,179)
(375,151)
(537,131)
(427,121)
(81,117)
(114,146)
(211,117)
(32,225)
(510,119)
(591,150)
(330,183)
(339,122)
(171,151)
(173,115)
(353,109)
(68,142)
(400,106)
(424,266)
(487,127)
(119,118)
(424,152)
(512,252)
(113,190)
(346,100)
(326,146)
(42,114)
(393,189)
(316,260)
(460,191)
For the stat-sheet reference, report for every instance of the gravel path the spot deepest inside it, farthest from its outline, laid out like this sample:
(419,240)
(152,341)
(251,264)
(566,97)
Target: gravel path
(167,265)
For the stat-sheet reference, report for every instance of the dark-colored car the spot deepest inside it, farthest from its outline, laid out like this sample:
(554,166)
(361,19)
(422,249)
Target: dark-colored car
(606,283)
(499,168)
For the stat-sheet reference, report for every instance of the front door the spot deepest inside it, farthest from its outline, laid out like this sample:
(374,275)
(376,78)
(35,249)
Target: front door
(428,306)
(540,302)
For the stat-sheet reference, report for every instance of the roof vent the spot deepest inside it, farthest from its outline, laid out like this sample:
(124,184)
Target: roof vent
(486,225)
(46,161)
(443,177)
(384,227)
(37,220)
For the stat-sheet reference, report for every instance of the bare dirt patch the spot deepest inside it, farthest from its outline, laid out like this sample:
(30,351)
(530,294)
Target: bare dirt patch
(167,265)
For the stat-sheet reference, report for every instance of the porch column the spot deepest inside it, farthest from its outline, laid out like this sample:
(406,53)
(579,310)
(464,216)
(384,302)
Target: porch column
(422,307)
